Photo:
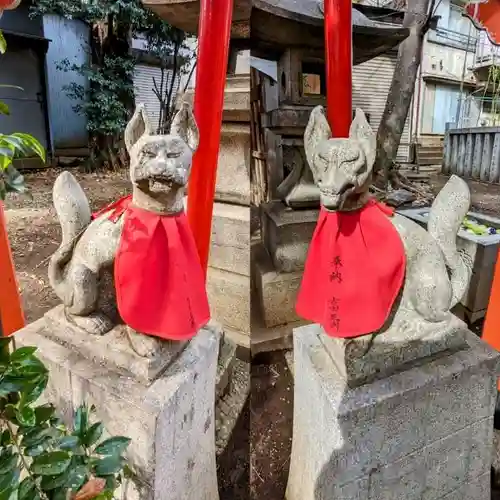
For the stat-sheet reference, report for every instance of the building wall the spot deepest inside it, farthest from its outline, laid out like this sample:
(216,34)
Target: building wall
(371,83)
(447,60)
(486,51)
(447,63)
(145,76)
(69,40)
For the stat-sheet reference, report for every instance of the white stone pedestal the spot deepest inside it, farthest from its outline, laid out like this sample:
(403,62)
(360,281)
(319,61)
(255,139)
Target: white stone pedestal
(413,421)
(165,404)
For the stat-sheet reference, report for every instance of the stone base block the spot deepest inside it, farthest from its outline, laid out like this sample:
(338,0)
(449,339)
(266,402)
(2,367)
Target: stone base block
(167,411)
(277,292)
(236,106)
(367,358)
(233,167)
(423,433)
(230,244)
(229,297)
(286,234)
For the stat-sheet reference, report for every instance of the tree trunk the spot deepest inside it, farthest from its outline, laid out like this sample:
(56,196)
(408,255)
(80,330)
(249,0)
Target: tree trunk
(402,87)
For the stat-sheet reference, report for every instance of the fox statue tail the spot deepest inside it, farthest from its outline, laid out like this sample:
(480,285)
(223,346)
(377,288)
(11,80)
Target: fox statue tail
(446,216)
(73,212)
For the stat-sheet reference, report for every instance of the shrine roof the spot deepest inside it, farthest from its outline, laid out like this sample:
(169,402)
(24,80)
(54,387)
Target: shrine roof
(278,24)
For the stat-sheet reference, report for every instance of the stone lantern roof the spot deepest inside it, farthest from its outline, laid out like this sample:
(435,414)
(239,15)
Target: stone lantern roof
(276,25)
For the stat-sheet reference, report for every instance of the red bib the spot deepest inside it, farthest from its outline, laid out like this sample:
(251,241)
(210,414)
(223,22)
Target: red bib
(354,271)
(160,288)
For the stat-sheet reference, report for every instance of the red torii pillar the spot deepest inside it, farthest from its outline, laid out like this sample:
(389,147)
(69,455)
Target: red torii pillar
(338,57)
(11,311)
(213,51)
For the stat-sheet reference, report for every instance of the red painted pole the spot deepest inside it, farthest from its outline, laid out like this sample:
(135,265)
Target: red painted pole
(213,51)
(11,311)
(338,55)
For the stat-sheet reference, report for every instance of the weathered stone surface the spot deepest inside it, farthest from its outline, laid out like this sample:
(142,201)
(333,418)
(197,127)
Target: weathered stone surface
(229,297)
(286,234)
(112,349)
(233,168)
(276,292)
(422,433)
(405,342)
(230,243)
(229,407)
(236,99)
(225,364)
(170,419)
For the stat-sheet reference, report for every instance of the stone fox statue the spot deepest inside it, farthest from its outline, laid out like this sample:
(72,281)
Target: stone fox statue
(435,274)
(159,170)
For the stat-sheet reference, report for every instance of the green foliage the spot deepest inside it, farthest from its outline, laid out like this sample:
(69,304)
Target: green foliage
(13,146)
(40,458)
(104,100)
(108,98)
(94,11)
(3,43)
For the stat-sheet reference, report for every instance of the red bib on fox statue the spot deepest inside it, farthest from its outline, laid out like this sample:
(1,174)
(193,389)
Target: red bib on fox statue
(355,266)
(354,271)
(160,287)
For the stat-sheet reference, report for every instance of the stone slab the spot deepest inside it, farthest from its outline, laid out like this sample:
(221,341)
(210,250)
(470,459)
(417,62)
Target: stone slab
(112,349)
(277,292)
(225,364)
(233,168)
(230,244)
(228,409)
(286,234)
(236,99)
(422,433)
(170,420)
(229,298)
(373,357)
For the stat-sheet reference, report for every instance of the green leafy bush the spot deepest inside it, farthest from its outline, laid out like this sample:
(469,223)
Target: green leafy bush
(41,458)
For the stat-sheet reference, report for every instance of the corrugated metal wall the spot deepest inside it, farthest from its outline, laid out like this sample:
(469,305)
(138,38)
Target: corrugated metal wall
(371,82)
(69,40)
(143,83)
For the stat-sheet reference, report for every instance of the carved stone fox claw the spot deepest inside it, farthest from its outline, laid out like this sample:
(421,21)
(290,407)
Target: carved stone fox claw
(95,323)
(144,345)
(159,171)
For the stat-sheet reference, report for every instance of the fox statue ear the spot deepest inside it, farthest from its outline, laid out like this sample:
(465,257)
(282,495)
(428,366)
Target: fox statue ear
(137,127)
(317,130)
(184,125)
(362,131)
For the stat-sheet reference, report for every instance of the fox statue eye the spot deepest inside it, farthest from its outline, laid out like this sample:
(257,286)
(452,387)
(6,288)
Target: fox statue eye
(148,153)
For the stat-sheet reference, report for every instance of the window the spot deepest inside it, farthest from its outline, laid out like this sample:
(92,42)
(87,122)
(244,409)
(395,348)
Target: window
(457,22)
